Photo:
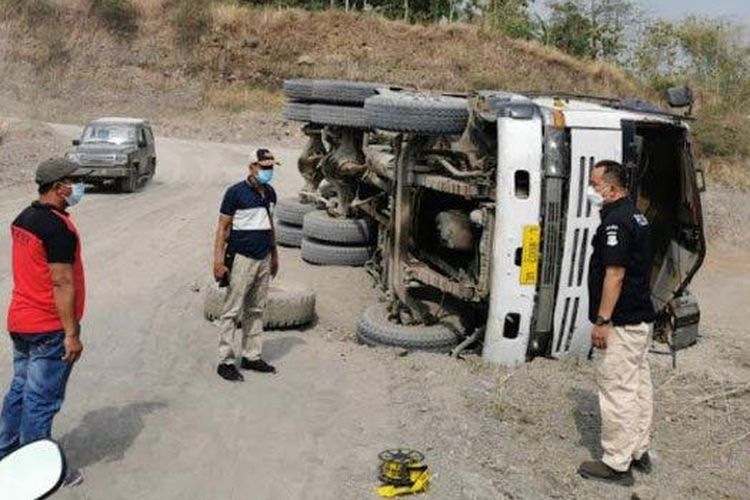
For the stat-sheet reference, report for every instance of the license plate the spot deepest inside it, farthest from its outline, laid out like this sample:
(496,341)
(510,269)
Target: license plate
(530,255)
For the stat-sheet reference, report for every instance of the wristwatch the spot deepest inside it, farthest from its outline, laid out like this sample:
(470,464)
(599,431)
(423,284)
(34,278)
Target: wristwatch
(601,321)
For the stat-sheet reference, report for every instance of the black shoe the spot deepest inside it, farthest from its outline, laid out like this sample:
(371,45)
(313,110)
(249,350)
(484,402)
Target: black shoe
(602,472)
(229,372)
(643,464)
(257,365)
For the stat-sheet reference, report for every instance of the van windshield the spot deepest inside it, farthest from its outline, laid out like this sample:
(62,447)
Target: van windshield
(108,133)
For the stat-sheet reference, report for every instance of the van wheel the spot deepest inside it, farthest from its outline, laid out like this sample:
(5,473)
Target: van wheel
(320,226)
(417,113)
(128,184)
(316,252)
(292,211)
(374,328)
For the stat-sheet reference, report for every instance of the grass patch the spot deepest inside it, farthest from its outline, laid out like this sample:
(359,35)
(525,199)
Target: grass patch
(237,98)
(119,16)
(192,19)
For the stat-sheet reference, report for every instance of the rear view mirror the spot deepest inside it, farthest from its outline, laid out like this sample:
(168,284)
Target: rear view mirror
(32,471)
(680,97)
(76,142)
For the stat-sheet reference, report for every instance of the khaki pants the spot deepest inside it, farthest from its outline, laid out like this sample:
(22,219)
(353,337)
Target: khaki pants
(625,395)
(244,304)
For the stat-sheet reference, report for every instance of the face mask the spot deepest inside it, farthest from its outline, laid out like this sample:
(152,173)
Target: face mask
(76,194)
(265,176)
(596,199)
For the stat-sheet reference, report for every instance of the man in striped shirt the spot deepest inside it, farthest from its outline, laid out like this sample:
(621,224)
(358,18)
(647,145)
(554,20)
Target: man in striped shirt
(245,258)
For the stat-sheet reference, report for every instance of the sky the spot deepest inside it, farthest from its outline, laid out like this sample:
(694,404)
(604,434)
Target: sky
(735,10)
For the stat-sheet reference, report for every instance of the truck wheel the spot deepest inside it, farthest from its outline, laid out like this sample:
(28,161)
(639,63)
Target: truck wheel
(291,211)
(316,252)
(374,328)
(288,235)
(342,116)
(286,306)
(289,306)
(342,91)
(128,184)
(298,90)
(417,113)
(320,226)
(297,111)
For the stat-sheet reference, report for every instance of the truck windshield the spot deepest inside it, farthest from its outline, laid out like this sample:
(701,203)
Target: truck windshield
(108,133)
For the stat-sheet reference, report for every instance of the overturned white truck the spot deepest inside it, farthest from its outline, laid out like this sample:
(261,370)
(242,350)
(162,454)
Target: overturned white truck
(482,230)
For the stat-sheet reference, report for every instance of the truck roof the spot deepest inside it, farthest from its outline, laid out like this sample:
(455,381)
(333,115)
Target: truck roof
(121,120)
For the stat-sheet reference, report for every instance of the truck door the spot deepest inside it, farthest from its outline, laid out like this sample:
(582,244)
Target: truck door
(571,327)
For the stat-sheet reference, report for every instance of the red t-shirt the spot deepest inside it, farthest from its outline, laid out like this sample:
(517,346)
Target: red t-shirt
(42,235)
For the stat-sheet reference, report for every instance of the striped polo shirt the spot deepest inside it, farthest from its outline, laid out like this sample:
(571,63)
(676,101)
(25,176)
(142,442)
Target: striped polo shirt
(251,233)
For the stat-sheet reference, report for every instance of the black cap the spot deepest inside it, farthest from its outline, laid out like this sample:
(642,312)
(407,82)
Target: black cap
(55,169)
(265,158)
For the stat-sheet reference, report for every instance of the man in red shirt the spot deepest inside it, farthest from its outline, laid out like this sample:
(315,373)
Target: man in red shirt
(45,309)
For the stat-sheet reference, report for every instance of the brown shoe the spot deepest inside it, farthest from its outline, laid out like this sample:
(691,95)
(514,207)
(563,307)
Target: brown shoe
(643,464)
(602,472)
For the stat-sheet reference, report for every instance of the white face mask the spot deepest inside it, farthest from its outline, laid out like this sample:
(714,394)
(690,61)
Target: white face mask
(596,199)
(76,194)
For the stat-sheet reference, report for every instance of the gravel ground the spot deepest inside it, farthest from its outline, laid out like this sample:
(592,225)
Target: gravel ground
(146,413)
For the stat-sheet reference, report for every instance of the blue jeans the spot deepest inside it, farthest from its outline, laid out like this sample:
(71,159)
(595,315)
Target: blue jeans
(37,390)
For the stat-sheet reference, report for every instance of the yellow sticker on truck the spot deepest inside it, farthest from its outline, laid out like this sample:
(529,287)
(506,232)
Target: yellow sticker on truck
(530,254)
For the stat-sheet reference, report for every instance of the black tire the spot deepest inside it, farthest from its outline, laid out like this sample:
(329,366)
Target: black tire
(288,235)
(289,306)
(324,254)
(343,116)
(374,328)
(297,111)
(286,306)
(320,226)
(342,91)
(298,90)
(417,113)
(291,211)
(128,184)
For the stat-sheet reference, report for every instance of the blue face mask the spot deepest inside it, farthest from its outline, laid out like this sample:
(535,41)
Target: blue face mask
(264,176)
(76,194)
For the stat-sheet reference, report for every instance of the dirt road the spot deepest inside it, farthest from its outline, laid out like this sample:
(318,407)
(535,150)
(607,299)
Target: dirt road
(146,416)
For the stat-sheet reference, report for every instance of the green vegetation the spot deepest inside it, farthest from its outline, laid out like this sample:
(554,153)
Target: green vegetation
(120,16)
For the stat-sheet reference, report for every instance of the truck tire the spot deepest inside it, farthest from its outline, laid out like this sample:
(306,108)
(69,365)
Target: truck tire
(325,254)
(417,113)
(298,90)
(374,328)
(288,235)
(128,184)
(343,91)
(297,111)
(342,116)
(320,226)
(286,306)
(291,211)
(289,306)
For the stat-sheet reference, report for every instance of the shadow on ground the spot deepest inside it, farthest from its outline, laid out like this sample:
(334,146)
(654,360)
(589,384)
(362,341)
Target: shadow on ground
(104,435)
(278,347)
(586,414)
